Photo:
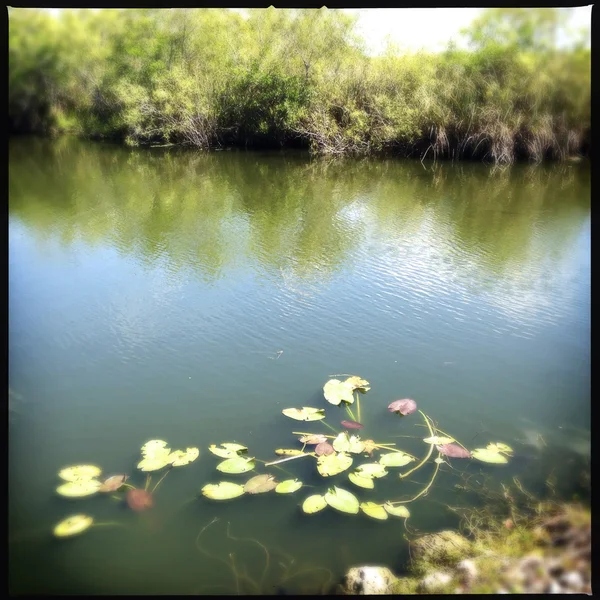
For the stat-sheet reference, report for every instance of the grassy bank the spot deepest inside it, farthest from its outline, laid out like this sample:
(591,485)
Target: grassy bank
(212,78)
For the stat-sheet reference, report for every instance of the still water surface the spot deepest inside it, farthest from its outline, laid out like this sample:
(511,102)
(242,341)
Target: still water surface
(191,297)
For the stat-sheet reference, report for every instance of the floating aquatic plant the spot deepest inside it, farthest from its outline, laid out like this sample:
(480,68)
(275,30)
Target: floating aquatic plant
(306,413)
(224,490)
(114,483)
(260,484)
(352,425)
(403,407)
(73,525)
(139,500)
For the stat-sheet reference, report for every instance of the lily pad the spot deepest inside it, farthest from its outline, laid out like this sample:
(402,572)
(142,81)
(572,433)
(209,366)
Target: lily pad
(439,460)
(371,470)
(314,504)
(396,511)
(488,456)
(154,447)
(224,490)
(228,450)
(438,440)
(358,383)
(288,452)
(369,446)
(500,447)
(332,464)
(235,447)
(112,484)
(361,481)
(316,438)
(79,472)
(181,458)
(341,443)
(73,525)
(260,484)
(139,499)
(374,510)
(356,445)
(395,459)
(337,391)
(352,424)
(342,500)
(324,448)
(288,486)
(403,407)
(154,463)
(453,451)
(79,488)
(239,464)
(306,413)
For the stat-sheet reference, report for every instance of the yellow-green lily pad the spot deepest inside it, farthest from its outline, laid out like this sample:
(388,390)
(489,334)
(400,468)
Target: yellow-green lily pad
(155,447)
(371,470)
(397,511)
(181,458)
(357,383)
(239,464)
(361,481)
(333,464)
(306,413)
(314,504)
(288,486)
(288,452)
(395,459)
(79,488)
(259,484)
(342,500)
(438,440)
(500,447)
(154,463)
(374,510)
(488,456)
(227,450)
(73,525)
(337,391)
(79,472)
(224,490)
(341,442)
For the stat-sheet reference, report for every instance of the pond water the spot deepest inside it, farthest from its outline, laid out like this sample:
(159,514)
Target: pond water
(191,297)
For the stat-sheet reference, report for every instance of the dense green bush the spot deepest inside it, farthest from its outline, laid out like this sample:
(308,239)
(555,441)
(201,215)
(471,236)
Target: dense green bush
(208,77)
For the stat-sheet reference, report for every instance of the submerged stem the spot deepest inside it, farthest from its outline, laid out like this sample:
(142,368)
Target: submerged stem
(275,462)
(428,455)
(327,425)
(166,473)
(358,405)
(349,411)
(422,492)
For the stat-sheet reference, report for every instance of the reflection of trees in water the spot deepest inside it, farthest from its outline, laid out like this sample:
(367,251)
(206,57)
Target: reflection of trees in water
(303,218)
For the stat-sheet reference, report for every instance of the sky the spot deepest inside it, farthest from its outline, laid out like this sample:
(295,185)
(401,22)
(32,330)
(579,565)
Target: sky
(428,28)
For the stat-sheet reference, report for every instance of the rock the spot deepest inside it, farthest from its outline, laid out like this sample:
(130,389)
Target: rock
(554,588)
(573,580)
(447,547)
(435,581)
(369,580)
(467,571)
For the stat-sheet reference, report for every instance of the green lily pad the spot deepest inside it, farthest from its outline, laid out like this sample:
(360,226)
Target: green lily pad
(488,456)
(357,383)
(181,458)
(438,440)
(224,490)
(288,486)
(397,511)
(112,484)
(371,470)
(314,504)
(154,463)
(154,448)
(260,484)
(341,442)
(79,472)
(333,464)
(361,481)
(228,450)
(374,510)
(306,413)
(500,447)
(73,525)
(395,459)
(337,391)
(239,464)
(79,488)
(342,500)
(288,452)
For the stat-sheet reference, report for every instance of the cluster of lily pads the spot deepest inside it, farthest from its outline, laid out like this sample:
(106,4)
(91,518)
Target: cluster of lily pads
(83,480)
(333,455)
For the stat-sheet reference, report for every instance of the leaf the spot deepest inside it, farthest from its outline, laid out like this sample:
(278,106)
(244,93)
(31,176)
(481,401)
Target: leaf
(181,458)
(224,490)
(500,447)
(112,484)
(73,525)
(403,407)
(260,484)
(369,447)
(288,486)
(234,447)
(324,448)
(374,510)
(438,441)
(239,464)
(356,445)
(79,488)
(333,464)
(396,511)
(488,456)
(358,383)
(372,470)
(154,463)
(453,451)
(227,451)
(316,438)
(314,504)
(342,500)
(154,447)
(79,472)
(288,452)
(361,481)
(352,424)
(306,413)
(337,391)
(395,459)
(439,460)
(341,443)
(139,500)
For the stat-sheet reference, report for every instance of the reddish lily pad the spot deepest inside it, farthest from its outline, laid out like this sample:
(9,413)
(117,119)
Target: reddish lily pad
(352,425)
(453,451)
(404,407)
(315,438)
(112,484)
(324,448)
(139,499)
